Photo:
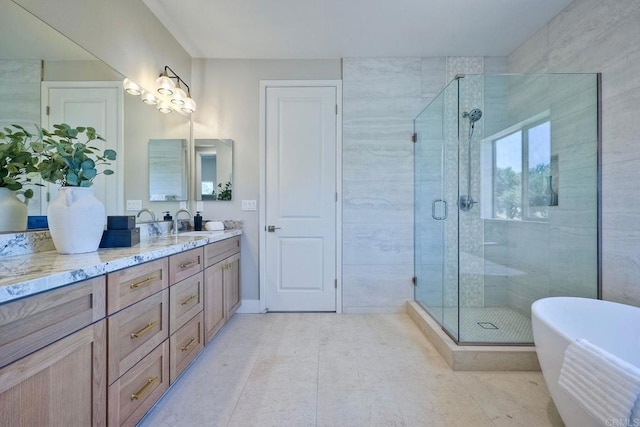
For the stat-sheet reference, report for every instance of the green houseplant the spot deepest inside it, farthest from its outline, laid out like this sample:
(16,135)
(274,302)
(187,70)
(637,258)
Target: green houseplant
(70,158)
(68,161)
(18,164)
(17,158)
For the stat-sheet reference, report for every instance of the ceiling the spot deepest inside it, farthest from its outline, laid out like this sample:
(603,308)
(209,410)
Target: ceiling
(299,29)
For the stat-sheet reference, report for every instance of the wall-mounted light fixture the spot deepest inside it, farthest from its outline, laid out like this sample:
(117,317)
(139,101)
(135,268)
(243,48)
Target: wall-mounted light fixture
(166,86)
(173,97)
(131,87)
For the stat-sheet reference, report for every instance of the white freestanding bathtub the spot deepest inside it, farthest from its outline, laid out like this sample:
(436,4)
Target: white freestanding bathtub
(558,321)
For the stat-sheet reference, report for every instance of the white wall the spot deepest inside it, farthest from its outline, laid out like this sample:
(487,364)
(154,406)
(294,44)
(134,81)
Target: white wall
(228,106)
(604,36)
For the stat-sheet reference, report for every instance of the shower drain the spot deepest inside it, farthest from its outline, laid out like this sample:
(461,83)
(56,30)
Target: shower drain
(487,325)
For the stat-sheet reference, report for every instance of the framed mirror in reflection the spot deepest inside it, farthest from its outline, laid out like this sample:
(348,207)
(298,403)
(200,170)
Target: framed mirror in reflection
(168,170)
(213,169)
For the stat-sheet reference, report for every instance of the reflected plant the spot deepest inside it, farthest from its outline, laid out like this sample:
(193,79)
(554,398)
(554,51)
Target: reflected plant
(224,193)
(18,160)
(69,162)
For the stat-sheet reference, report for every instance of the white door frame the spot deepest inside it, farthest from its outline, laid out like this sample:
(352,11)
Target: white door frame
(44,102)
(264,84)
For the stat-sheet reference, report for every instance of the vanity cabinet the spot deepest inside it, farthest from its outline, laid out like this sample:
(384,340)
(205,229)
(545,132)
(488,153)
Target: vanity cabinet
(187,302)
(53,353)
(222,284)
(138,323)
(102,351)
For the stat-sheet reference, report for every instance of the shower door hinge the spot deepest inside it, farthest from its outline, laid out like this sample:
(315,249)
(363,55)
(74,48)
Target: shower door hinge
(48,110)
(336,109)
(335,283)
(414,280)
(414,137)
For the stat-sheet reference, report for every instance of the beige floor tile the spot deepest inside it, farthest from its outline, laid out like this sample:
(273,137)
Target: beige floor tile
(512,398)
(342,370)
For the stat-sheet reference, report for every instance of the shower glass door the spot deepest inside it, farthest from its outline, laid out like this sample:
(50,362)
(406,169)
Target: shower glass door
(436,210)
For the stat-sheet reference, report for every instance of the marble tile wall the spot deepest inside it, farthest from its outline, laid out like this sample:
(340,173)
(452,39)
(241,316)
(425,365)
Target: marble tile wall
(604,36)
(381,97)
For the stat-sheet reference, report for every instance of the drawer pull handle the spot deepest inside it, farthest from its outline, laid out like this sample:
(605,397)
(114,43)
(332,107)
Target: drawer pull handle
(189,299)
(145,388)
(144,330)
(142,283)
(188,264)
(187,345)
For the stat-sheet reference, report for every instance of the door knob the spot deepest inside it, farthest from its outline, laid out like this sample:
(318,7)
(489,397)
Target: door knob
(272,228)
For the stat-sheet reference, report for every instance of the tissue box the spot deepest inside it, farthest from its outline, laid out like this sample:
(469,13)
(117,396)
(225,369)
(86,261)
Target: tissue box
(121,222)
(120,238)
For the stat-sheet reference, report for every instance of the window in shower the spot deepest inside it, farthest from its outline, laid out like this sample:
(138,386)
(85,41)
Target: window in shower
(518,195)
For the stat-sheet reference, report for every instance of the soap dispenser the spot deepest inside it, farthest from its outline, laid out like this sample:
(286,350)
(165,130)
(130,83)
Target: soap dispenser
(167,216)
(197,221)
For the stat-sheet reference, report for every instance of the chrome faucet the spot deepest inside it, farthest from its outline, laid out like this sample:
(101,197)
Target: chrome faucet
(175,219)
(153,216)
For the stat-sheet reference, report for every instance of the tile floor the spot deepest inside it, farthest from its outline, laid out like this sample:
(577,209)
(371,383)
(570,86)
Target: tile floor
(342,370)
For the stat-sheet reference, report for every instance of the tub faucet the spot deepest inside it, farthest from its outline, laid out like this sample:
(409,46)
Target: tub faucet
(153,216)
(175,219)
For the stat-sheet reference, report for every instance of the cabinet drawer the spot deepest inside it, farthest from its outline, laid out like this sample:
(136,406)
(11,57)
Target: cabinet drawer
(34,322)
(185,345)
(130,285)
(185,264)
(135,331)
(185,301)
(132,395)
(216,252)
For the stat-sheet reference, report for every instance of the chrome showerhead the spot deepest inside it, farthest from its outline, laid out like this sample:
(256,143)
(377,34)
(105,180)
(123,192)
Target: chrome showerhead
(474,115)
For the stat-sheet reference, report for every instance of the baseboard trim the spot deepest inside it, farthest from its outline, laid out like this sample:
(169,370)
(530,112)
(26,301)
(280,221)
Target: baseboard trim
(249,306)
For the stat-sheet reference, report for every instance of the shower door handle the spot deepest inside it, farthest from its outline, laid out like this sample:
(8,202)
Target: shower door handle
(445,210)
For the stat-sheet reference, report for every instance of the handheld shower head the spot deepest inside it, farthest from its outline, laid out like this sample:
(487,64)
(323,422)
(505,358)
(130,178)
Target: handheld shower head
(473,115)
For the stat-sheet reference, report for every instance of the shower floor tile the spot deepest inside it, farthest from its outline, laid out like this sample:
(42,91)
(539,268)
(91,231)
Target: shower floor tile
(511,326)
(342,370)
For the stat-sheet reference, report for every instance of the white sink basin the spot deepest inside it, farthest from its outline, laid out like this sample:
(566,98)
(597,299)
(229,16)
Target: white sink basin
(200,233)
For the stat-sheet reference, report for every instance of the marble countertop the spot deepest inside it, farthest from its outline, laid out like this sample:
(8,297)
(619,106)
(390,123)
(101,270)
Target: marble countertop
(25,275)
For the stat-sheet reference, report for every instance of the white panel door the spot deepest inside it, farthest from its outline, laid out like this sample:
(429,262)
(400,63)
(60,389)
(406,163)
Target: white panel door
(300,198)
(97,107)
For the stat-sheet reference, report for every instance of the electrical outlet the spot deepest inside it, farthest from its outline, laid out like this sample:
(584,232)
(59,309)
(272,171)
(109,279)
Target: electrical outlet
(249,205)
(134,205)
(199,206)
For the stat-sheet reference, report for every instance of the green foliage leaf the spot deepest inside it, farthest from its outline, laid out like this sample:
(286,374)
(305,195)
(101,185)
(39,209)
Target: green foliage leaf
(110,154)
(107,172)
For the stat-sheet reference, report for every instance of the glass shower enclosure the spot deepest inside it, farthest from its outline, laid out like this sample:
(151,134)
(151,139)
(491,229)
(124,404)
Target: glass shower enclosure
(506,201)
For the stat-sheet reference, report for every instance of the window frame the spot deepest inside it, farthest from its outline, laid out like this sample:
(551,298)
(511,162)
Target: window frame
(523,128)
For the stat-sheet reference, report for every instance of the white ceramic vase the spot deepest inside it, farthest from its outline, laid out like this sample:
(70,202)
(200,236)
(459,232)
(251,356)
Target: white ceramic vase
(76,220)
(13,212)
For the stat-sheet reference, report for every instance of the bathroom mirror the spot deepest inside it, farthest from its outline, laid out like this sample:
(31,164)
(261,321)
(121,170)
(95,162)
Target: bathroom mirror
(168,170)
(213,169)
(41,54)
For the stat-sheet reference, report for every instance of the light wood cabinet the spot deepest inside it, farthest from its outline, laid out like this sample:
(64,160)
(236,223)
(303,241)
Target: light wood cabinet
(222,295)
(133,284)
(185,264)
(62,384)
(233,296)
(29,324)
(214,312)
(134,393)
(185,345)
(186,301)
(135,331)
(102,351)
